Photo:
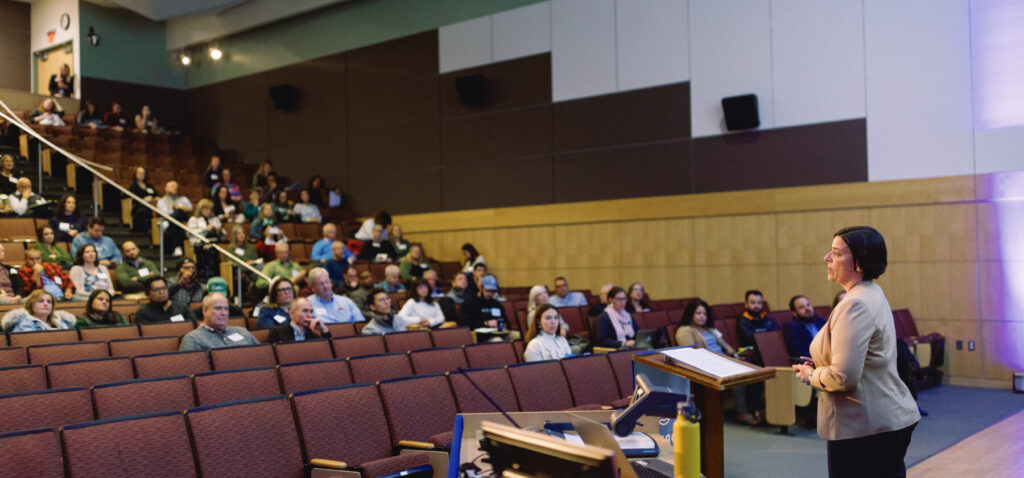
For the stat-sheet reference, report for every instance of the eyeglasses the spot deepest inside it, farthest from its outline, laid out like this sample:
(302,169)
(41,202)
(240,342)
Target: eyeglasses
(286,289)
(159,289)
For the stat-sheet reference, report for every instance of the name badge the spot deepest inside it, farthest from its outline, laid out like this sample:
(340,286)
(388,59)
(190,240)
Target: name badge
(295,273)
(13,179)
(236,337)
(256,312)
(177,318)
(229,209)
(376,244)
(214,177)
(150,191)
(40,201)
(425,266)
(239,251)
(495,312)
(58,280)
(143,272)
(280,319)
(319,311)
(381,257)
(64,226)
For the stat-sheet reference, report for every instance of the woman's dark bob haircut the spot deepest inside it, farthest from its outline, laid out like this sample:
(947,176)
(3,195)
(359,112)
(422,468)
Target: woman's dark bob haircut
(868,248)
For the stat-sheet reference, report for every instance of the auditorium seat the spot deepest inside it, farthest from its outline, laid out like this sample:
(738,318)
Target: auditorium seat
(374,368)
(144,395)
(253,438)
(304,351)
(358,436)
(656,319)
(164,329)
(154,445)
(358,345)
(142,346)
(519,346)
(24,339)
(419,409)
(727,326)
(591,379)
(45,408)
(403,341)
(245,356)
(298,377)
(436,360)
(34,453)
(345,329)
(577,324)
(171,364)
(490,354)
(451,337)
(675,315)
(89,372)
(22,378)
(228,385)
(109,333)
(494,381)
(10,356)
(540,386)
(781,317)
(44,354)
(823,311)
(670,334)
(622,365)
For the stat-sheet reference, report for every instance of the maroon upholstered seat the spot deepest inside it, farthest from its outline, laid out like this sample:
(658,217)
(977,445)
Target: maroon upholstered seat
(86,373)
(451,337)
(34,453)
(541,386)
(299,377)
(227,385)
(419,409)
(404,341)
(109,333)
(622,365)
(22,378)
(171,364)
(227,439)
(490,354)
(10,356)
(437,360)
(494,381)
(24,339)
(155,445)
(304,351)
(374,368)
(143,346)
(357,346)
(49,353)
(245,356)
(146,395)
(591,380)
(45,408)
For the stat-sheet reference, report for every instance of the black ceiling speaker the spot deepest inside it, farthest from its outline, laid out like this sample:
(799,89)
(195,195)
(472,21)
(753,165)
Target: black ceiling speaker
(285,97)
(472,89)
(741,112)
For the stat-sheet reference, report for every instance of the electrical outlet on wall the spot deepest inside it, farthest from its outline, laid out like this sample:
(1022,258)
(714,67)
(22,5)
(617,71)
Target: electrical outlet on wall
(959,344)
(970,345)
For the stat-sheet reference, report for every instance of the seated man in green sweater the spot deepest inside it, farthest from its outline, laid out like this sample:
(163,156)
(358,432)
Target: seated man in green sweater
(134,269)
(283,266)
(215,332)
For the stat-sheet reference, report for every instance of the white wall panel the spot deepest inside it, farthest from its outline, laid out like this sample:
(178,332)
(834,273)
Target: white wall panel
(582,48)
(999,150)
(730,54)
(522,31)
(817,61)
(464,44)
(918,65)
(653,42)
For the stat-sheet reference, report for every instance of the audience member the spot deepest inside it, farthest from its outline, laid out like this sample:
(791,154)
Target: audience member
(266,219)
(8,180)
(89,116)
(223,206)
(303,325)
(538,296)
(399,243)
(37,315)
(602,301)
(754,320)
(204,224)
(482,310)
(564,298)
(49,276)
(178,207)
(282,208)
(160,308)
(382,318)
(240,246)
(800,331)
(327,305)
(88,274)
(391,282)
(234,192)
(67,223)
(458,291)
(637,299)
(215,332)
(414,263)
(146,123)
(279,298)
(360,294)
(62,84)
(317,191)
(430,277)
(49,113)
(616,328)
(365,232)
(220,285)
(697,328)
(141,187)
(134,269)
(473,280)
(338,264)
(24,202)
(187,287)
(9,283)
(115,119)
(305,210)
(271,189)
(48,249)
(212,175)
(472,258)
(421,309)
(350,282)
(378,249)
(323,248)
(545,339)
(259,180)
(99,312)
(251,208)
(282,266)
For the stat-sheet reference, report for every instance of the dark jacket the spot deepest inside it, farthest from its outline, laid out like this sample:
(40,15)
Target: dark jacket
(370,250)
(747,326)
(606,336)
(285,333)
(798,338)
(476,311)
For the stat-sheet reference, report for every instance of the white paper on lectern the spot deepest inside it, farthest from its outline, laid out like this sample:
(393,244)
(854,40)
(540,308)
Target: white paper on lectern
(707,361)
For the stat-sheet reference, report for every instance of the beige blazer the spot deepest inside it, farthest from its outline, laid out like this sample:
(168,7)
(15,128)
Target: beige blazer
(855,356)
(689,335)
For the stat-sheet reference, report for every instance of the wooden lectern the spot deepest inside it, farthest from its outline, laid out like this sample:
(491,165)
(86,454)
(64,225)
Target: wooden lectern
(707,393)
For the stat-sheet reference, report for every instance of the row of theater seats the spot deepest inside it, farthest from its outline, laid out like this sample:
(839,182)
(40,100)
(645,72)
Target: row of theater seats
(276,435)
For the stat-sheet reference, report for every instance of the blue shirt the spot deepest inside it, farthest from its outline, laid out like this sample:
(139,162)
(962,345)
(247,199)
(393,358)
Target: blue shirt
(339,309)
(323,251)
(710,340)
(271,316)
(106,250)
(300,333)
(336,271)
(574,299)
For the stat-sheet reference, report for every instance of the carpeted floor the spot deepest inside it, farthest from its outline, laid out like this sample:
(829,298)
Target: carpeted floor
(954,414)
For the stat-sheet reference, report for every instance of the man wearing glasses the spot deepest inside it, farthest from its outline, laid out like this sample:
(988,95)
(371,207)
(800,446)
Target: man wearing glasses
(160,308)
(383,318)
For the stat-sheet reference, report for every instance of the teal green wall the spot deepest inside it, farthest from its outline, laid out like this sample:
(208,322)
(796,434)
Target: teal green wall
(132,48)
(335,29)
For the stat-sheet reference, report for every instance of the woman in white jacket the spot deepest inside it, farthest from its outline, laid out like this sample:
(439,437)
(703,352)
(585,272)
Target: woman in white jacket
(37,315)
(421,309)
(544,339)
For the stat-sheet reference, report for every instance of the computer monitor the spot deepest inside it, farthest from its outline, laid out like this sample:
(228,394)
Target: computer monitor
(532,454)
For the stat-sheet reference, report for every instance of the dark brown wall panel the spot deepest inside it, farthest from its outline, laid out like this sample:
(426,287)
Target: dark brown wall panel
(167,104)
(397,148)
(386,103)
(632,171)
(299,161)
(408,57)
(400,191)
(650,114)
(508,182)
(505,134)
(321,112)
(799,156)
(510,84)
(15,45)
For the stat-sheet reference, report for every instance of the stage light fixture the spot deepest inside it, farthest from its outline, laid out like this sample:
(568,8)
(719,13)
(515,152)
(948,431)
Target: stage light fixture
(185,59)
(216,53)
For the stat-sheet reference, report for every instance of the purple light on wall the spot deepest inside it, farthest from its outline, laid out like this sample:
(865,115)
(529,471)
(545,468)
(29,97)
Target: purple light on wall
(997,50)
(1004,275)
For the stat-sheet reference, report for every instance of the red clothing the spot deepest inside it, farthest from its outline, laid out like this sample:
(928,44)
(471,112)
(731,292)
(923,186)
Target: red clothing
(51,270)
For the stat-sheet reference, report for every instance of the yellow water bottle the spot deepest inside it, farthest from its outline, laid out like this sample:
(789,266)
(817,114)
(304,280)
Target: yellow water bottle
(686,441)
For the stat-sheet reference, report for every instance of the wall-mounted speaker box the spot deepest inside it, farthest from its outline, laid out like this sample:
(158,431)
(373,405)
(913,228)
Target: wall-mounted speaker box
(472,89)
(1018,382)
(285,97)
(741,112)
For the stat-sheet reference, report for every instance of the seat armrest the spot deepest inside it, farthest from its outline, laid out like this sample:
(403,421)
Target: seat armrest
(325,463)
(603,350)
(419,445)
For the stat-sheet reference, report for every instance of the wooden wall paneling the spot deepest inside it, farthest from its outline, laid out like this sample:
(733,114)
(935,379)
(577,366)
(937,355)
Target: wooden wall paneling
(529,278)
(748,239)
(649,114)
(718,284)
(999,344)
(805,279)
(498,135)
(805,237)
(999,285)
(587,245)
(928,233)
(405,147)
(510,84)
(933,290)
(667,242)
(505,182)
(662,282)
(524,248)
(432,244)
(482,240)
(864,194)
(589,278)
(998,228)
(959,363)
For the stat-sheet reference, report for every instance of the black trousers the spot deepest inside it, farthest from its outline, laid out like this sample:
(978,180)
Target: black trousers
(872,456)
